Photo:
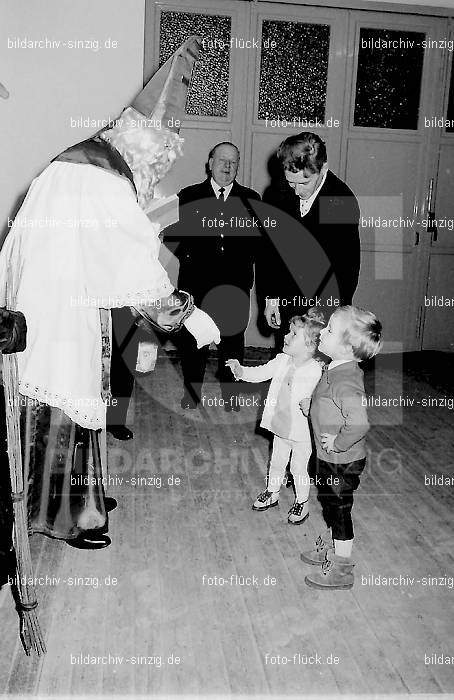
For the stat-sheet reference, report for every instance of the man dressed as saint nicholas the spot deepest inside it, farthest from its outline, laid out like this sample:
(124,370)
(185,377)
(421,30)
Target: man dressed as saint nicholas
(65,276)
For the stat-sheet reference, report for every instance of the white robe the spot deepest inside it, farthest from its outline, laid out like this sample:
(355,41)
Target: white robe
(80,242)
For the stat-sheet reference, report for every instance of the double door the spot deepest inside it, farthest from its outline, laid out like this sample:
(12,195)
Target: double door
(370,84)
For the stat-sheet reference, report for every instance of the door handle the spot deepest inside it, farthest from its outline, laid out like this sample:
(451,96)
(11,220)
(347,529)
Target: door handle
(418,321)
(432,225)
(415,215)
(431,220)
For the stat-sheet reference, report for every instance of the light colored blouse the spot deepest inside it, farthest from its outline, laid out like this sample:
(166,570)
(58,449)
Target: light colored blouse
(282,414)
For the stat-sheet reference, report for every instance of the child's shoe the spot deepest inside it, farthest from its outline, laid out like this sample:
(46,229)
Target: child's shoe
(317,555)
(336,574)
(298,514)
(265,500)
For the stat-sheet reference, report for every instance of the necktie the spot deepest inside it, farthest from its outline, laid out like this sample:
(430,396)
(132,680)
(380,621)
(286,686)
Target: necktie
(221,193)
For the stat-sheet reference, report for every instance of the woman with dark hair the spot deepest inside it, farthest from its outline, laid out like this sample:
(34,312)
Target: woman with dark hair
(303,263)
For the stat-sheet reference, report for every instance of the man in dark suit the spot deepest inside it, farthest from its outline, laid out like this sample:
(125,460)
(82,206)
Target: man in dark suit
(316,248)
(216,242)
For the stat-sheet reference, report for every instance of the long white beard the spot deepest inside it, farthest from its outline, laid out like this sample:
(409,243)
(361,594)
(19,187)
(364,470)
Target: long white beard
(149,152)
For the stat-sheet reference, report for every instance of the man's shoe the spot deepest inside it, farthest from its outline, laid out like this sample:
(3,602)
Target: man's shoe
(317,555)
(110,503)
(266,500)
(336,574)
(120,432)
(297,514)
(89,540)
(187,402)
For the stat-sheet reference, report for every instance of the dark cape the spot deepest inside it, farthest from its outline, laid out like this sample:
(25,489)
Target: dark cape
(97,152)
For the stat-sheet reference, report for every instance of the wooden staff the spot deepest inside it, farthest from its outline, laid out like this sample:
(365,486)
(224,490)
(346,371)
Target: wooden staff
(25,595)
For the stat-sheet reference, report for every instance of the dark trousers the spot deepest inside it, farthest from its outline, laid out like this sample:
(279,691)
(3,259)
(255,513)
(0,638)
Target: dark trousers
(193,363)
(125,344)
(336,484)
(228,306)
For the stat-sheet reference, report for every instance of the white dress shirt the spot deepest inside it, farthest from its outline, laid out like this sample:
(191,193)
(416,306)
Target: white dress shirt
(305,204)
(217,187)
(336,363)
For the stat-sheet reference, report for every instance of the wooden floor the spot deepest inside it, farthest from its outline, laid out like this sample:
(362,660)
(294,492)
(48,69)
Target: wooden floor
(173,541)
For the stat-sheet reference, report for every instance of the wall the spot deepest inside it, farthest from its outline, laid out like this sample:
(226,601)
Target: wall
(50,86)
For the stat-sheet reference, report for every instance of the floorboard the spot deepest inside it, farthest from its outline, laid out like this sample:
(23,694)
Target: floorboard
(199,595)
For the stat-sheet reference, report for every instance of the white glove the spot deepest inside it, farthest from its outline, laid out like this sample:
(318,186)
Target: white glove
(146,356)
(202,327)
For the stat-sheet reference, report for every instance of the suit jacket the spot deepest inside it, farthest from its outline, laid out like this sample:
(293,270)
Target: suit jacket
(212,241)
(333,220)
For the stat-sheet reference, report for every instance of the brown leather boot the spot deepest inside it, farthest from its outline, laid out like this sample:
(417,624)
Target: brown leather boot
(336,574)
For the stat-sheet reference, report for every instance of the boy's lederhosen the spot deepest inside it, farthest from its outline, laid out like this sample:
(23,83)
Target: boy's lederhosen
(336,484)
(338,408)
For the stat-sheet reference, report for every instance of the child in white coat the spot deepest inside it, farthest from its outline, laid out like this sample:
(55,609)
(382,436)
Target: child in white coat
(294,374)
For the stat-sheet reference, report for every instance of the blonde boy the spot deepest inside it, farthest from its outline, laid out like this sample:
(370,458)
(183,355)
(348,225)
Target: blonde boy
(340,424)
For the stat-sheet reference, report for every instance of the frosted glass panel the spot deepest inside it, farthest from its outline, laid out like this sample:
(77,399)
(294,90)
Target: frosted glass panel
(209,91)
(388,85)
(450,114)
(293,70)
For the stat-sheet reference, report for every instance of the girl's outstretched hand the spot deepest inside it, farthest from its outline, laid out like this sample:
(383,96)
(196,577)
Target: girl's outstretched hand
(235,368)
